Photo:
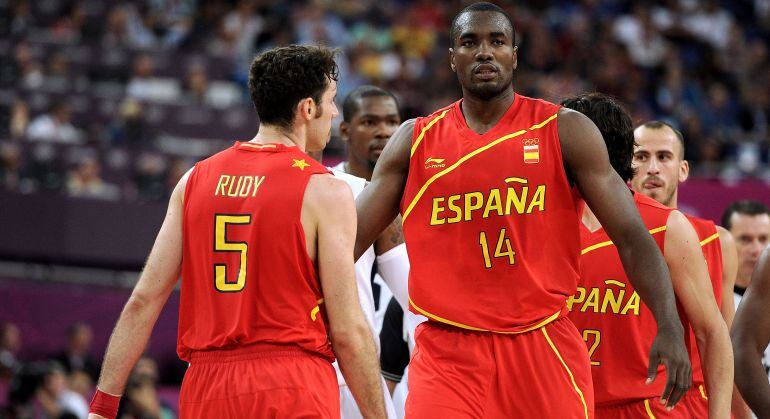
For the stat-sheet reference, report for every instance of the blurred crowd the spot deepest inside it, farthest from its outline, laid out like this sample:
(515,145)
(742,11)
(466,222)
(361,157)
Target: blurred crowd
(125,96)
(61,386)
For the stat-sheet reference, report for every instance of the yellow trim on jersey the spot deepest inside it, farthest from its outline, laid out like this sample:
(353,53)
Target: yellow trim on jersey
(464,158)
(316,309)
(424,130)
(614,282)
(709,239)
(703,392)
(545,321)
(648,409)
(569,372)
(259,145)
(593,247)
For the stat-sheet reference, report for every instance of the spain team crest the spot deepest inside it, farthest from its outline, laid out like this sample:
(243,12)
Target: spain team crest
(531,151)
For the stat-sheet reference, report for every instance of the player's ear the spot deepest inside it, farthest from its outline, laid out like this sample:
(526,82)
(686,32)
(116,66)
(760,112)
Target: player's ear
(344,131)
(306,108)
(515,57)
(684,170)
(452,59)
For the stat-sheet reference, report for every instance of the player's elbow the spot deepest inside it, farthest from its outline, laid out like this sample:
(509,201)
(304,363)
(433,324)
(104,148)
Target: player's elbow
(713,330)
(350,338)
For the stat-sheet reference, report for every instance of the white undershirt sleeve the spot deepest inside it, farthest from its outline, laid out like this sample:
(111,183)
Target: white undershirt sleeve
(393,267)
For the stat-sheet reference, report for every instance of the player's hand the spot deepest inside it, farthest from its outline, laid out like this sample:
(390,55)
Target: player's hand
(94,416)
(668,349)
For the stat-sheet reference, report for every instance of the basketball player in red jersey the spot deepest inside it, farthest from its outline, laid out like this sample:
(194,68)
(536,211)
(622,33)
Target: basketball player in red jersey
(606,309)
(660,168)
(491,224)
(263,236)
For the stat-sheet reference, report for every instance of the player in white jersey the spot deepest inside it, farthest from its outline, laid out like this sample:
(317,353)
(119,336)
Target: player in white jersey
(370,117)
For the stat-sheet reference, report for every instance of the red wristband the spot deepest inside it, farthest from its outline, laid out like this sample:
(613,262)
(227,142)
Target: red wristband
(104,405)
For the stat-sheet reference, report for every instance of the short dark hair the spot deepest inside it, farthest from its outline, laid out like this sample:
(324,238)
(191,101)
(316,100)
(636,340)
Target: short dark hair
(745,207)
(615,125)
(351,104)
(662,125)
(479,7)
(280,77)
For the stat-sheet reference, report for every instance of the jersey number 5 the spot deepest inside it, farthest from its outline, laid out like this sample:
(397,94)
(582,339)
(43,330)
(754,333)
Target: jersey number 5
(222,245)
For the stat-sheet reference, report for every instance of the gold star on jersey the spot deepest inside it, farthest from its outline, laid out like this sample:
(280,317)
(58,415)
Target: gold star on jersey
(301,164)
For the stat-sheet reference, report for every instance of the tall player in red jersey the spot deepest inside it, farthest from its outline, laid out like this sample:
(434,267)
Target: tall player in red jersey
(491,224)
(617,328)
(263,236)
(660,168)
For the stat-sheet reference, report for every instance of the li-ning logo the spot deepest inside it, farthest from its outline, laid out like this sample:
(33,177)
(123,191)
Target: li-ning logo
(432,163)
(531,150)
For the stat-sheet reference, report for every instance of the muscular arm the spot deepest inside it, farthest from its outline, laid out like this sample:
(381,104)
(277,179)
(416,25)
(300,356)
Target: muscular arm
(751,335)
(692,286)
(729,270)
(586,160)
(135,324)
(378,203)
(331,205)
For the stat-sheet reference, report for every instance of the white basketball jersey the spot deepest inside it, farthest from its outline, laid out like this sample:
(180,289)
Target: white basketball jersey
(363,267)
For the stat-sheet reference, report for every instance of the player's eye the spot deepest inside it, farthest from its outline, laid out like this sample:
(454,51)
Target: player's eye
(498,42)
(468,43)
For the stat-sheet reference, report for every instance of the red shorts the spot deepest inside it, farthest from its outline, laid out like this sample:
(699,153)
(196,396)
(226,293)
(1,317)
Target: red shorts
(457,373)
(259,383)
(694,404)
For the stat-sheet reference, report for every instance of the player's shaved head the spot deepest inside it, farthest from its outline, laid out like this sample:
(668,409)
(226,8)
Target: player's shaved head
(463,18)
(615,125)
(352,103)
(658,125)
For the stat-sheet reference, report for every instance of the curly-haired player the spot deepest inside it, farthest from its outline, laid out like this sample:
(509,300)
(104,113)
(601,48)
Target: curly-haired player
(263,236)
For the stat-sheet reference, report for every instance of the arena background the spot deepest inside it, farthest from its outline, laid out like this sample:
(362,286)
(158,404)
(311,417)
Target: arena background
(105,104)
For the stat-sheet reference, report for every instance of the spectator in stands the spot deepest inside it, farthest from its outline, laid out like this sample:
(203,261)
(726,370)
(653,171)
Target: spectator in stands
(238,31)
(28,71)
(40,391)
(130,129)
(55,126)
(150,177)
(19,119)
(10,345)
(10,166)
(58,76)
(197,86)
(144,85)
(141,399)
(116,30)
(85,181)
(77,355)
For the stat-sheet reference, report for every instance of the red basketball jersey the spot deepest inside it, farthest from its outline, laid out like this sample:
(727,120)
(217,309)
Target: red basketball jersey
(617,326)
(712,251)
(246,274)
(490,220)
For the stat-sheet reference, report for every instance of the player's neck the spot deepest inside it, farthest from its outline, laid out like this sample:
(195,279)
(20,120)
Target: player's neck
(673,202)
(589,219)
(481,115)
(357,169)
(271,134)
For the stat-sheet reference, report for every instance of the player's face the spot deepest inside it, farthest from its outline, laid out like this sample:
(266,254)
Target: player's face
(658,163)
(320,129)
(370,128)
(751,233)
(483,56)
